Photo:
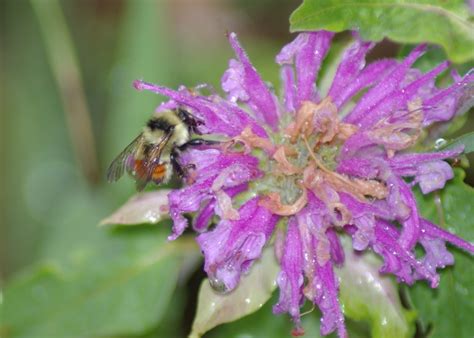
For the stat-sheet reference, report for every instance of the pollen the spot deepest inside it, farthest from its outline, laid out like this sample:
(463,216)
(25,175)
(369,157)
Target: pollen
(159,173)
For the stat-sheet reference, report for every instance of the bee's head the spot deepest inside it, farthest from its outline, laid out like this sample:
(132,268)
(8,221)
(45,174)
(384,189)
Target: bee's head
(184,115)
(189,119)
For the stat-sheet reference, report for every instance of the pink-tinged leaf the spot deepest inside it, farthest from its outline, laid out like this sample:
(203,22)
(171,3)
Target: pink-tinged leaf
(148,207)
(254,290)
(368,296)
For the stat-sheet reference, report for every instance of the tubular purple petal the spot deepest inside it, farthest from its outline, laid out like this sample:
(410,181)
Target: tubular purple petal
(230,249)
(218,117)
(359,167)
(436,232)
(406,163)
(365,234)
(436,255)
(451,101)
(399,99)
(289,87)
(327,300)
(290,279)
(399,261)
(359,209)
(337,251)
(232,80)
(308,61)
(432,176)
(204,216)
(429,171)
(411,224)
(209,164)
(367,77)
(306,52)
(245,79)
(384,88)
(352,63)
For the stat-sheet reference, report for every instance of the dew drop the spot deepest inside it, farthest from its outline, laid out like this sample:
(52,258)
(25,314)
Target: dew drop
(151,217)
(217,285)
(439,143)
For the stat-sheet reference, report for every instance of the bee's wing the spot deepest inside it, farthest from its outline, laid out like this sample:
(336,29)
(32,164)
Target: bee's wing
(117,167)
(141,182)
(153,159)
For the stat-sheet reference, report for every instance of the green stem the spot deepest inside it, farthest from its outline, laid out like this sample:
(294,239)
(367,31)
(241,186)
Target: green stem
(65,67)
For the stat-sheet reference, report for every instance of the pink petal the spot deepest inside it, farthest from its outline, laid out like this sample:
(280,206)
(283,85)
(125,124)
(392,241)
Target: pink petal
(243,82)
(290,279)
(232,246)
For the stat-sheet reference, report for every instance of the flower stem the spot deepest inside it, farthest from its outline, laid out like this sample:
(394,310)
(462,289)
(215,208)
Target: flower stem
(65,67)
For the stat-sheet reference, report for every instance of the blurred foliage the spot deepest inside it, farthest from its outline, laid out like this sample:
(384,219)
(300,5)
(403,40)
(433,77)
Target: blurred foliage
(447,311)
(65,275)
(121,285)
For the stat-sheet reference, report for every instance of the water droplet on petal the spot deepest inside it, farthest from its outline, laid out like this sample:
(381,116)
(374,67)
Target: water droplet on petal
(217,285)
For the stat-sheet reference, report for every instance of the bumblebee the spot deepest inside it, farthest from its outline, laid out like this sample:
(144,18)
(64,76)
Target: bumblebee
(153,155)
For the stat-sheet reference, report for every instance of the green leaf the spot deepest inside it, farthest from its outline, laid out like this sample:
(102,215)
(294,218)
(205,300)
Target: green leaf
(171,324)
(446,23)
(122,288)
(449,308)
(253,291)
(368,296)
(147,207)
(467,140)
(264,324)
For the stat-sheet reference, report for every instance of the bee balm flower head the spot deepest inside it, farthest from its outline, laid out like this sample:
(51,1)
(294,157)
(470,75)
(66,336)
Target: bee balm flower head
(318,165)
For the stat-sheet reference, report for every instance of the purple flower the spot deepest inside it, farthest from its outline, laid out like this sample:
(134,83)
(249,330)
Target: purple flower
(317,166)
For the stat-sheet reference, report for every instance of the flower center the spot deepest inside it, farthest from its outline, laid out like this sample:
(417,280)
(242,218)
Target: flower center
(302,157)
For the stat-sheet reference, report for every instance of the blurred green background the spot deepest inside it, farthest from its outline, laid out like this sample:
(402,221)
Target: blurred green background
(67,108)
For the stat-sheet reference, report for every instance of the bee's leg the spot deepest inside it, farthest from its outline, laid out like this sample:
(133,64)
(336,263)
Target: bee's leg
(178,168)
(197,142)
